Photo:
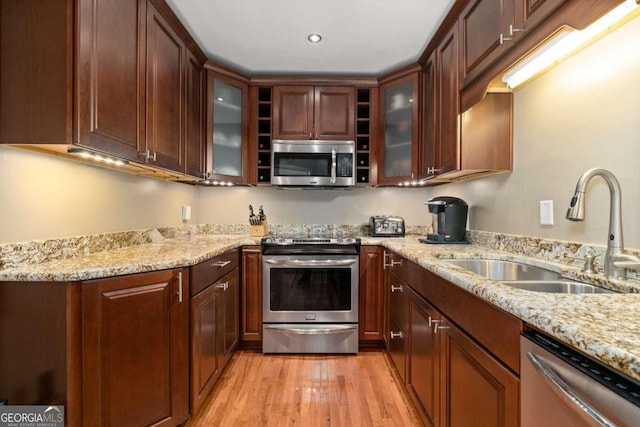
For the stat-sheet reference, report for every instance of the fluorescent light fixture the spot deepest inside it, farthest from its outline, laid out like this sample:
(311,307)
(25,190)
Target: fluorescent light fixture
(314,38)
(563,43)
(100,158)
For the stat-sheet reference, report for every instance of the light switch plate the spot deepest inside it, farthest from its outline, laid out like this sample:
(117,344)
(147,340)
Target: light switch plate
(546,212)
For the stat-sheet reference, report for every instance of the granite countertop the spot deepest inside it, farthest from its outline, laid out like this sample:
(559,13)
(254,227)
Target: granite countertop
(604,326)
(168,253)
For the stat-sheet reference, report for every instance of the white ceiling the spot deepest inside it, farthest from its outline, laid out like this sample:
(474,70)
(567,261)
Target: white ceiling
(359,37)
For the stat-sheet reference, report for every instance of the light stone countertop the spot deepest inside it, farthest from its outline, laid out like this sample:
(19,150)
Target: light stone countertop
(604,326)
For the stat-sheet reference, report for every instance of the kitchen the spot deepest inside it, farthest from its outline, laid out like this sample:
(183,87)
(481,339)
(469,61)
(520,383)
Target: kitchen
(554,143)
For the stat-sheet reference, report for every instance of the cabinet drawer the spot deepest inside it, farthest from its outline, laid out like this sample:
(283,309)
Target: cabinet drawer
(209,271)
(495,329)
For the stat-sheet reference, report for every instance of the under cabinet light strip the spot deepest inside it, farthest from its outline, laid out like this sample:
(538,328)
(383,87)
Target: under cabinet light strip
(97,157)
(564,43)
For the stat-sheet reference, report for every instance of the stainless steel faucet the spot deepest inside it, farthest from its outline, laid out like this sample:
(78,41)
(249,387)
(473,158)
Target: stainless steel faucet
(616,262)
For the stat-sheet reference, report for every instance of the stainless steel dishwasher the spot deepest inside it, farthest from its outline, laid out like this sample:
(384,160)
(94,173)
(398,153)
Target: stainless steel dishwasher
(562,387)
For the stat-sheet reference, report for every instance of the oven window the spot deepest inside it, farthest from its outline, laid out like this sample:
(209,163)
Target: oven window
(302,164)
(310,289)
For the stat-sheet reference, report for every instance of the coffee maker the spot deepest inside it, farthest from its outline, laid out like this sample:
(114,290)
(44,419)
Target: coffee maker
(448,220)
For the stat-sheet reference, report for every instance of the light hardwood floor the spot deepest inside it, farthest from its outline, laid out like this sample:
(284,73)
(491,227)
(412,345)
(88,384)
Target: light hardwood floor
(307,390)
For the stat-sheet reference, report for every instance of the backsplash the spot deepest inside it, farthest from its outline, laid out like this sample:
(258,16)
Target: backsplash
(39,251)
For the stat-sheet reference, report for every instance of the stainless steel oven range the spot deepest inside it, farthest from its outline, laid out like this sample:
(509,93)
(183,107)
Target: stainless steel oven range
(310,295)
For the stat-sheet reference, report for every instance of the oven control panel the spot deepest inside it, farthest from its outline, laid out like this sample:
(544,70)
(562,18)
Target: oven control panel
(386,226)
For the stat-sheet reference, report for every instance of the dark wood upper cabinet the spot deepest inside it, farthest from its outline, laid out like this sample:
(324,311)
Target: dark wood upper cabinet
(529,13)
(465,145)
(165,94)
(227,130)
(314,112)
(399,136)
(522,25)
(488,28)
(448,103)
(194,116)
(428,152)
(484,34)
(36,67)
(111,76)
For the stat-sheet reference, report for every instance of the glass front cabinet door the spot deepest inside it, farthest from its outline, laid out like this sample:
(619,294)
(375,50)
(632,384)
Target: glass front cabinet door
(399,130)
(227,129)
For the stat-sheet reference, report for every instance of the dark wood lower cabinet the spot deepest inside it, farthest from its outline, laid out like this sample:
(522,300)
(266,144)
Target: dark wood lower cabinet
(251,313)
(479,390)
(423,380)
(398,335)
(215,330)
(135,353)
(371,288)
(452,380)
(214,334)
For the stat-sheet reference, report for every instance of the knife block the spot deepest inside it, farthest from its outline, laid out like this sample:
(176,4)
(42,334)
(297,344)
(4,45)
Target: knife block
(259,230)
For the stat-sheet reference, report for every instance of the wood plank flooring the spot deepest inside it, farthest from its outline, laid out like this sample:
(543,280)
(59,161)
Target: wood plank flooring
(307,390)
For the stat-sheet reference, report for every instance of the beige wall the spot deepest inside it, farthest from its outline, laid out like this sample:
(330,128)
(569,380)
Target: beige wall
(565,123)
(44,197)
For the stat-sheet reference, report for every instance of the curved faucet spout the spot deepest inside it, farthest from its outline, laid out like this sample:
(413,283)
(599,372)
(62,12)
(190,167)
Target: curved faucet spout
(615,244)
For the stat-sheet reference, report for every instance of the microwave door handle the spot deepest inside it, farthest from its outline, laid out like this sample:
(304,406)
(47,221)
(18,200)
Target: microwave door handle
(333,165)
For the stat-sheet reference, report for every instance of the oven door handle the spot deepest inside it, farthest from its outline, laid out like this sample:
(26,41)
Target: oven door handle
(326,330)
(567,394)
(311,262)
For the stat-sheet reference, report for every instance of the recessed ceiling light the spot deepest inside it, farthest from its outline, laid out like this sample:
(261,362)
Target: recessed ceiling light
(314,38)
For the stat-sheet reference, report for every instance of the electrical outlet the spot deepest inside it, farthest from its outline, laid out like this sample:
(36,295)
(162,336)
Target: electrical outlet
(186,213)
(546,212)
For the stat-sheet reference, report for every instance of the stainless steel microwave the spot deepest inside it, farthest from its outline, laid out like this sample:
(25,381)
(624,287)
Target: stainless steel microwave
(313,163)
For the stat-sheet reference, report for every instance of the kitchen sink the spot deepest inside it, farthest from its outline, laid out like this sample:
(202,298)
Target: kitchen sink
(558,287)
(501,270)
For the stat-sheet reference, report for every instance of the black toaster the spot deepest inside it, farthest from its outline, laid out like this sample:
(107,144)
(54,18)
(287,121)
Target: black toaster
(386,226)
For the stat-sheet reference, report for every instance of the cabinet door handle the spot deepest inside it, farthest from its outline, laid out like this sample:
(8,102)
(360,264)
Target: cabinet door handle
(224,286)
(150,156)
(384,261)
(180,286)
(251,251)
(391,264)
(397,288)
(395,335)
(220,264)
(439,326)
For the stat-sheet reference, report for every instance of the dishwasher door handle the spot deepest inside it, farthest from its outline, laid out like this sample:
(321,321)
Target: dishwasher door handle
(567,394)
